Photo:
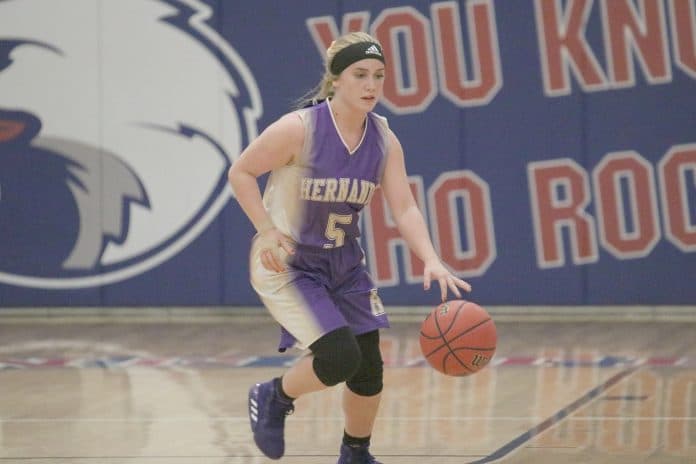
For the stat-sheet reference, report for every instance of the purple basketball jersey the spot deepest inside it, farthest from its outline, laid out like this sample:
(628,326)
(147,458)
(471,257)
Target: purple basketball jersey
(317,198)
(339,183)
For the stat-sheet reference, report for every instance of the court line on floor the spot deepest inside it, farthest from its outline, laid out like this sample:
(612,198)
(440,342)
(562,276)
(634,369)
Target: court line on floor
(520,440)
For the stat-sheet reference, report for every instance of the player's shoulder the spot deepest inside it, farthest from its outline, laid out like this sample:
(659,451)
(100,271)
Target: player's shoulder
(286,133)
(380,120)
(289,125)
(382,124)
(291,120)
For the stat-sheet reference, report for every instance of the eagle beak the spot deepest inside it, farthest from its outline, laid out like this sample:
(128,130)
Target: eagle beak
(9,129)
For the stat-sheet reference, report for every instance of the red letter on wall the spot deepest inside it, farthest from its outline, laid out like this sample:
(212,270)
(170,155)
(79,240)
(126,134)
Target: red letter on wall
(645,34)
(477,256)
(677,168)
(484,80)
(639,208)
(562,46)
(383,239)
(416,63)
(683,15)
(559,192)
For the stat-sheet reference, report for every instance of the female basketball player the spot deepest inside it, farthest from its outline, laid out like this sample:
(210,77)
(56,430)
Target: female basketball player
(306,262)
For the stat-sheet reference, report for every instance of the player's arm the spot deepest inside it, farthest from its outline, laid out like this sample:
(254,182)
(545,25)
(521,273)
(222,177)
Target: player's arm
(410,222)
(275,147)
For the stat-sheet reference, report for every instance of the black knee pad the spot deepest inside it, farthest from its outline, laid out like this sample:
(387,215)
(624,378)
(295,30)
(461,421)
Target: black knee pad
(367,381)
(336,356)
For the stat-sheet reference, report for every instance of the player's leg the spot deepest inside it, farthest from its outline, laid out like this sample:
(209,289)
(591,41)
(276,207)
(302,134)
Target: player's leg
(360,413)
(361,398)
(363,390)
(360,304)
(301,304)
(335,358)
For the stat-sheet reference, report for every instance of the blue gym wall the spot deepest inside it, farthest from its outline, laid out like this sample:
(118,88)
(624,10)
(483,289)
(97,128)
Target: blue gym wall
(551,145)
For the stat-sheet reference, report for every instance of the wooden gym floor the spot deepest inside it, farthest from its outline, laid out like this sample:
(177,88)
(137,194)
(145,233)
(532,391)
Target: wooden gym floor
(161,389)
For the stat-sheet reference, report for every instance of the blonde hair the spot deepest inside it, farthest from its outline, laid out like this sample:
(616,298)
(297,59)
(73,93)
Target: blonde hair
(324,89)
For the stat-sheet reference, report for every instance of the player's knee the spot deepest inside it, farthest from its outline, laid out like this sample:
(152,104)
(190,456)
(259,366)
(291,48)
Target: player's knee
(336,356)
(368,379)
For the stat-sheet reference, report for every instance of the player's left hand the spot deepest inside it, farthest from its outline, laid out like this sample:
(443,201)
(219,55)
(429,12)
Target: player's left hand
(435,270)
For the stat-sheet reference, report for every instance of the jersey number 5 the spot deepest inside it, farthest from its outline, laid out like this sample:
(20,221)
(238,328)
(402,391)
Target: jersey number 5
(335,233)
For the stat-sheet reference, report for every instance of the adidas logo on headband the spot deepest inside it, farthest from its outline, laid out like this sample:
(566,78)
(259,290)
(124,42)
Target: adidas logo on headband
(373,50)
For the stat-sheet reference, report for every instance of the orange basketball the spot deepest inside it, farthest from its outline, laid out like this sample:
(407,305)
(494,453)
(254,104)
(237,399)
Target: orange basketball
(458,338)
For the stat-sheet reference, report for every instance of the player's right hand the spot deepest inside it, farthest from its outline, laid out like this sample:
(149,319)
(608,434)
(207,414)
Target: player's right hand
(273,241)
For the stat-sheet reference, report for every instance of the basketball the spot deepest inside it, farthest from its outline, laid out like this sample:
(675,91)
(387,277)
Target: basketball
(458,338)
